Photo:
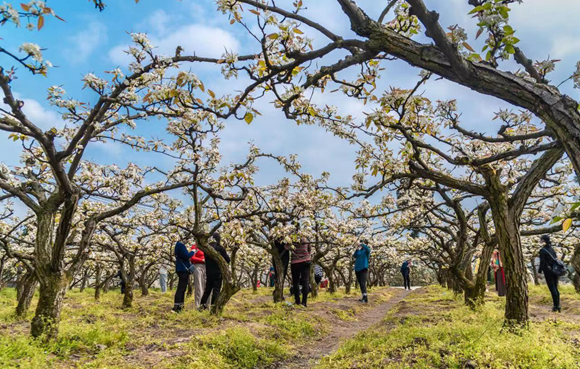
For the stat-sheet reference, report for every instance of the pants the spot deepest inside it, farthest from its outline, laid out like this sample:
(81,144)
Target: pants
(122,284)
(317,278)
(199,283)
(361,277)
(213,287)
(163,282)
(300,277)
(552,282)
(180,292)
(406,280)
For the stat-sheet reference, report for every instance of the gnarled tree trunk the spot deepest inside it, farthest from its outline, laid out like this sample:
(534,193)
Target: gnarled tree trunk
(26,288)
(53,288)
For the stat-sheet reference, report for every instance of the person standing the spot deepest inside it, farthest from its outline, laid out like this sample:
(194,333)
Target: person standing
(547,258)
(214,280)
(121,282)
(318,274)
(361,268)
(182,268)
(406,272)
(163,278)
(300,268)
(499,273)
(199,275)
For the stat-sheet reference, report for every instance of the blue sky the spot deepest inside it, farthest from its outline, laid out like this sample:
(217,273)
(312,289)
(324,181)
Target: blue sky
(90,41)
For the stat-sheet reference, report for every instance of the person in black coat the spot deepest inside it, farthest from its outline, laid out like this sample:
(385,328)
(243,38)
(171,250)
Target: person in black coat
(182,268)
(213,285)
(547,258)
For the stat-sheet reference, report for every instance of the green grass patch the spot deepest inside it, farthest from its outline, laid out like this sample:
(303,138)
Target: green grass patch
(449,335)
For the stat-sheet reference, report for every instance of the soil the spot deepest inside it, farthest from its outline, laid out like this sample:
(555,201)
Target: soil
(342,330)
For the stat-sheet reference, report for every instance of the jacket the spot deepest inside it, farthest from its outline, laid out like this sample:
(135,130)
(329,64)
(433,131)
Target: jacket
(211,266)
(361,257)
(546,262)
(199,257)
(182,257)
(405,267)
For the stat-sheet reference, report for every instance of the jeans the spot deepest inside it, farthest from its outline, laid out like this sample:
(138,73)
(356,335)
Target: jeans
(163,282)
(361,277)
(213,287)
(552,282)
(180,292)
(406,280)
(300,277)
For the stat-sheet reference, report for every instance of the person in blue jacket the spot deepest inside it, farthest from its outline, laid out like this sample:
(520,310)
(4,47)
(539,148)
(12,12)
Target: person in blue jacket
(406,271)
(183,270)
(361,267)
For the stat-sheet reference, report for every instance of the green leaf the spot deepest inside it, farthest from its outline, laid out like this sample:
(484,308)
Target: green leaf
(477,9)
(249,117)
(510,49)
(508,30)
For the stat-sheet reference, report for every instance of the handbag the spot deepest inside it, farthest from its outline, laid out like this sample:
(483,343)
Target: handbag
(558,268)
(191,268)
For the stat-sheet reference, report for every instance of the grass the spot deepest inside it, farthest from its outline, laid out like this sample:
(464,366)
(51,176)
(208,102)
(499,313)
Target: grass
(434,330)
(430,329)
(252,332)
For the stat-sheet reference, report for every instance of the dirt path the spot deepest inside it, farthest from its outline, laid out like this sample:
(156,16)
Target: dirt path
(340,332)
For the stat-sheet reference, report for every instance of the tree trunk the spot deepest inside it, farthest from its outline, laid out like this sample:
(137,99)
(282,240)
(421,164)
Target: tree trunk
(53,288)
(279,274)
(255,279)
(575,262)
(508,236)
(143,285)
(98,283)
(129,283)
(2,263)
(26,293)
(84,280)
(331,283)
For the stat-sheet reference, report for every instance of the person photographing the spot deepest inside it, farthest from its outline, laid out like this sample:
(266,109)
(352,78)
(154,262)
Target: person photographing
(361,267)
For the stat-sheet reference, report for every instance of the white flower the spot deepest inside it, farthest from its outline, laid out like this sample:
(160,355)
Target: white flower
(32,50)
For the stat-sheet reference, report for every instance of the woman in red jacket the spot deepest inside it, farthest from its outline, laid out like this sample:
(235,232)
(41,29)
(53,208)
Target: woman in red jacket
(198,261)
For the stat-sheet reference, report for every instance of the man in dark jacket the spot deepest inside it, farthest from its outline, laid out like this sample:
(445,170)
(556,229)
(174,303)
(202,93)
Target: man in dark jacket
(406,271)
(213,273)
(547,258)
(182,268)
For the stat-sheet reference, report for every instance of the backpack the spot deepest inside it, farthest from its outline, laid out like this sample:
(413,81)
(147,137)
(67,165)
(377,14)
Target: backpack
(558,267)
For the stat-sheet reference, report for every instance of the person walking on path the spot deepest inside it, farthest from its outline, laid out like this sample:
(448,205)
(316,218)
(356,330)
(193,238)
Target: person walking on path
(163,278)
(547,258)
(183,270)
(300,268)
(199,275)
(214,280)
(406,272)
(361,268)
(499,273)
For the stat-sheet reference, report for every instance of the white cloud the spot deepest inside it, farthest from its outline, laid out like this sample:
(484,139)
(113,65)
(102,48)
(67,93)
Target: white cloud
(85,42)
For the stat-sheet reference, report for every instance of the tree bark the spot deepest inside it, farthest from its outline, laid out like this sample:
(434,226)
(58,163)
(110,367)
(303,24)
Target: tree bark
(508,236)
(26,293)
(98,282)
(84,280)
(575,261)
(129,282)
(45,323)
(278,294)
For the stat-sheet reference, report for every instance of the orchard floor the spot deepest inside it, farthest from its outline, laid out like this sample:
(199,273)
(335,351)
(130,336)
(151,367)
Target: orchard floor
(427,328)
